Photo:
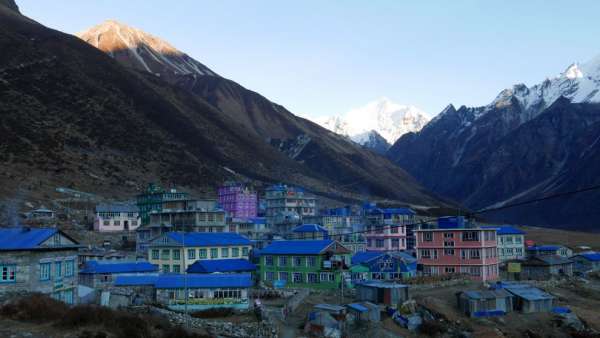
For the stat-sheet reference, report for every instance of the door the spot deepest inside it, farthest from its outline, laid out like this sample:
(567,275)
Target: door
(126,225)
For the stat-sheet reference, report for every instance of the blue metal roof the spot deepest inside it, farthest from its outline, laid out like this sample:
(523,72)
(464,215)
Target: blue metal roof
(300,247)
(139,280)
(592,256)
(116,207)
(23,238)
(208,238)
(451,222)
(528,292)
(176,281)
(365,256)
(358,307)
(221,265)
(392,211)
(93,267)
(309,228)
(544,248)
(505,230)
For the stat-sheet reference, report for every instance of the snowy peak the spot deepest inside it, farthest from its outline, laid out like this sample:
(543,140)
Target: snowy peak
(141,50)
(390,120)
(573,72)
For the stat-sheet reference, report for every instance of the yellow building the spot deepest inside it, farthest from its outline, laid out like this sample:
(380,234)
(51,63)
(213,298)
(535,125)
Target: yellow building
(175,251)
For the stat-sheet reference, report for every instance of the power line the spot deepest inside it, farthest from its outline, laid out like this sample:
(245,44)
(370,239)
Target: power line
(480,211)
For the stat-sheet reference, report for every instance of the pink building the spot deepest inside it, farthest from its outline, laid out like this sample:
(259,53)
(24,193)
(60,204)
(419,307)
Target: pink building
(471,251)
(238,201)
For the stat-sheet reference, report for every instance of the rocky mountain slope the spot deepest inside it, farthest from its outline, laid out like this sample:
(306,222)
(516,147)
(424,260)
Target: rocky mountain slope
(75,117)
(388,119)
(527,143)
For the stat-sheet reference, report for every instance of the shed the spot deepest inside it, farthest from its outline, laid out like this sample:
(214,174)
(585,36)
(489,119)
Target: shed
(586,262)
(544,267)
(486,303)
(530,299)
(387,293)
(365,311)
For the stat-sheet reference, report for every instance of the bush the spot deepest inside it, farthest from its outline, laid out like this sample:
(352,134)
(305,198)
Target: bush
(82,315)
(431,328)
(35,307)
(214,313)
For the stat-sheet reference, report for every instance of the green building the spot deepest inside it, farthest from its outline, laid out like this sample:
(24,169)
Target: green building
(317,264)
(154,198)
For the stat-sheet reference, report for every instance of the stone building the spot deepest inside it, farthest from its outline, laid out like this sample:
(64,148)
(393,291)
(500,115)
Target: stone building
(39,260)
(116,217)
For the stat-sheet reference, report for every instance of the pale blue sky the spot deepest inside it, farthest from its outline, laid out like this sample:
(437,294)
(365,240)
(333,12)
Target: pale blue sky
(325,57)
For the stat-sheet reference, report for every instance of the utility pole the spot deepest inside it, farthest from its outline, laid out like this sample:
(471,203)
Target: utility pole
(185,286)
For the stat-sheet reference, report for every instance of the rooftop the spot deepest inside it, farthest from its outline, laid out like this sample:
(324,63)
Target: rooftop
(487,294)
(505,230)
(177,281)
(221,265)
(116,207)
(528,292)
(595,256)
(309,228)
(381,285)
(139,280)
(93,267)
(25,238)
(544,247)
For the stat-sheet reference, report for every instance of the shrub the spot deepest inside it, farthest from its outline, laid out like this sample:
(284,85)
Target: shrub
(214,313)
(82,315)
(34,307)
(431,328)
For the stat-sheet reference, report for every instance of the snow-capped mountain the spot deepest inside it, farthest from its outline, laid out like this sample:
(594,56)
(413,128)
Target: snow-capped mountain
(388,119)
(528,142)
(142,51)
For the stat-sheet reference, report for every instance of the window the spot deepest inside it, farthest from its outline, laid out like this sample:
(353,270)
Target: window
(176,268)
(428,236)
(166,268)
(245,251)
(378,276)
(106,222)
(448,243)
(269,260)
(312,277)
(448,252)
(311,261)
(297,261)
(284,276)
(282,261)
(327,277)
(448,235)
(58,269)
(395,243)
(394,230)
(45,273)
(475,253)
(191,253)
(116,222)
(235,252)
(379,243)
(69,268)
(166,253)
(435,253)
(298,277)
(176,255)
(425,253)
(224,252)
(214,253)
(269,276)
(470,236)
(463,254)
(449,269)
(155,254)
(201,253)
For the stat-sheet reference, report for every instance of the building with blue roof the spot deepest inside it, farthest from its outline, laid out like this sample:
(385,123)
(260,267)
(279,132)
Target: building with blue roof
(373,265)
(314,264)
(222,266)
(586,262)
(309,231)
(511,242)
(286,206)
(39,260)
(389,229)
(549,250)
(174,252)
(205,291)
(102,274)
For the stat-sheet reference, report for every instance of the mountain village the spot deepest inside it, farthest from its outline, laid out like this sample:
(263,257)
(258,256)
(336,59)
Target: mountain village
(280,257)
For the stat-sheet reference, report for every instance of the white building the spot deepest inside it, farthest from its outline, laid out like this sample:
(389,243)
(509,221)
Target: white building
(511,242)
(116,217)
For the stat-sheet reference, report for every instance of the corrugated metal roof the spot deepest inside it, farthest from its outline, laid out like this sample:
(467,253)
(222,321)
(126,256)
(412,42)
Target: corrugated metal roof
(23,238)
(309,228)
(547,260)
(528,292)
(544,247)
(595,257)
(487,294)
(176,281)
(392,211)
(116,207)
(208,238)
(505,230)
(299,247)
(358,307)
(365,256)
(221,265)
(93,267)
(135,280)
(381,284)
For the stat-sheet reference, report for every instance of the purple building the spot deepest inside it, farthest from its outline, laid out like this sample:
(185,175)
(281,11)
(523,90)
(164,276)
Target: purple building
(238,200)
